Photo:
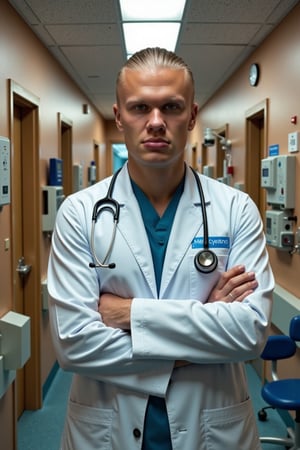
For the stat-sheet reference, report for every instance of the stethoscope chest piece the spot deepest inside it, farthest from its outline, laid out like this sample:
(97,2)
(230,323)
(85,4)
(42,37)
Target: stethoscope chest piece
(206,261)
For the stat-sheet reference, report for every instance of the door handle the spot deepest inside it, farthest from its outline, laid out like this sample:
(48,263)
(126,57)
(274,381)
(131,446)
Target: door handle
(22,268)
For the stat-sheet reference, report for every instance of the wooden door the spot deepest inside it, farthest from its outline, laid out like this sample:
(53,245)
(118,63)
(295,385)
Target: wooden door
(26,237)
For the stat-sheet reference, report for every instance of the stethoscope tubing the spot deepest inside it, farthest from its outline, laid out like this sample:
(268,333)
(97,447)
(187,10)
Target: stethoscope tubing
(107,203)
(205,260)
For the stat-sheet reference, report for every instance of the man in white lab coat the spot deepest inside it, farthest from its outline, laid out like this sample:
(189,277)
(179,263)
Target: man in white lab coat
(157,345)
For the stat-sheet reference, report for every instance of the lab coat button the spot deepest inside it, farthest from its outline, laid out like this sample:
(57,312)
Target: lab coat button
(137,433)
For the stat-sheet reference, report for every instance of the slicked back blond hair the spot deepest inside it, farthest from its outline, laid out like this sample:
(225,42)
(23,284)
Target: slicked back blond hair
(156,57)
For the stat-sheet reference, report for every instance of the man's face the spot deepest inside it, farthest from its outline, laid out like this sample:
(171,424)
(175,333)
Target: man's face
(155,111)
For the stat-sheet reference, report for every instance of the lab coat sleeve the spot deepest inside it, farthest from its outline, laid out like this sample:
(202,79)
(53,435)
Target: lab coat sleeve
(82,342)
(220,332)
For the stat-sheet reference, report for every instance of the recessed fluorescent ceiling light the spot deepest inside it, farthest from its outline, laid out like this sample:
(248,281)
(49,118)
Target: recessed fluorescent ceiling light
(153,34)
(143,10)
(153,23)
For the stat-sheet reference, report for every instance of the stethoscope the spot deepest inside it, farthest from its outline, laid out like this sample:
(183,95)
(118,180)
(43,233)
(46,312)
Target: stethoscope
(205,260)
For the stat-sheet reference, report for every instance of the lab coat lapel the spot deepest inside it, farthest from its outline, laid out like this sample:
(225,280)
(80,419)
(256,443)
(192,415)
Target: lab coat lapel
(187,224)
(132,228)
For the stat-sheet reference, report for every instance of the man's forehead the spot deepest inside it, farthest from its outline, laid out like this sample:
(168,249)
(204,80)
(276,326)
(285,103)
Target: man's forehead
(153,79)
(156,75)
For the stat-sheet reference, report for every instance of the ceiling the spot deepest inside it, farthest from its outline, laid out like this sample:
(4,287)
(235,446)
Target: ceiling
(217,36)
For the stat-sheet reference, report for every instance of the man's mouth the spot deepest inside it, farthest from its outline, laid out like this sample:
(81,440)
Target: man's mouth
(156,143)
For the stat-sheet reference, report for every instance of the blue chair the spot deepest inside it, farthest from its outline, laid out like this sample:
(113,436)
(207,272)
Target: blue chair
(283,394)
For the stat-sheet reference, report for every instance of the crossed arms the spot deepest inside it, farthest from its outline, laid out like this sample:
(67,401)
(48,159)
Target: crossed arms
(233,286)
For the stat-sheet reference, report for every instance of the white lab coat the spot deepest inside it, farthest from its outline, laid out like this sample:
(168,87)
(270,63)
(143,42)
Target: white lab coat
(115,371)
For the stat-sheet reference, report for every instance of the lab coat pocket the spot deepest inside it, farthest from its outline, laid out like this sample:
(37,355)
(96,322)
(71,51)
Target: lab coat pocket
(202,283)
(87,428)
(232,427)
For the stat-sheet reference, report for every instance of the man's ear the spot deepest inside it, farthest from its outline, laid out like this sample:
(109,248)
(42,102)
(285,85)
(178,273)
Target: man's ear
(117,117)
(193,117)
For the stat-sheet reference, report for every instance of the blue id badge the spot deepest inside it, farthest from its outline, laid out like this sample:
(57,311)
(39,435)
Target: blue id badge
(213,242)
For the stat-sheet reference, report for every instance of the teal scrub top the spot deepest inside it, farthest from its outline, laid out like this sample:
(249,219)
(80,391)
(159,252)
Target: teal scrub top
(156,425)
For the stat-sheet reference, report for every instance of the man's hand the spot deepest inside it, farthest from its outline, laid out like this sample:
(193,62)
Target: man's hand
(233,286)
(115,311)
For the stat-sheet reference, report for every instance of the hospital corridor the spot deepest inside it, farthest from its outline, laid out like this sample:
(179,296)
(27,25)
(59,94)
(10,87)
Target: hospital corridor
(149,224)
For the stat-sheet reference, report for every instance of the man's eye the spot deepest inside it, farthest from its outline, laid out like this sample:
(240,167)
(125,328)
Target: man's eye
(140,108)
(172,107)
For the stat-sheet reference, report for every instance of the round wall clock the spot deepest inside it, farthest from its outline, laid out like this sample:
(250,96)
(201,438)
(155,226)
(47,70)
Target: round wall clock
(253,74)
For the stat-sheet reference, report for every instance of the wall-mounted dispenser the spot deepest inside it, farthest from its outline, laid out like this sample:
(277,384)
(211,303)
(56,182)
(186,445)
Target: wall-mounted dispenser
(55,172)
(4,171)
(52,199)
(92,173)
(77,177)
(14,346)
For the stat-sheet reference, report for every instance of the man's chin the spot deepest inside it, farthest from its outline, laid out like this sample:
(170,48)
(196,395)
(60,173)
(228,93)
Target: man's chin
(158,161)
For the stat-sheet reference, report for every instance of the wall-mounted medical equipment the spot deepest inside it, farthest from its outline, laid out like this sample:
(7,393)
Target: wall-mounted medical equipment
(52,199)
(77,177)
(210,138)
(92,173)
(4,171)
(55,172)
(278,178)
(279,229)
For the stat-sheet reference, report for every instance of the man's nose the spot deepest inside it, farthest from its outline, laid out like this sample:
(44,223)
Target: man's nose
(156,121)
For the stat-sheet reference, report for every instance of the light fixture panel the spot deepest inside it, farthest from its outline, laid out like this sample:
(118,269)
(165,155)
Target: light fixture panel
(153,34)
(156,10)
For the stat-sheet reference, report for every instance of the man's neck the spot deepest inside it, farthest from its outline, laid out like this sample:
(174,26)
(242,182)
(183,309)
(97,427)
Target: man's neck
(158,184)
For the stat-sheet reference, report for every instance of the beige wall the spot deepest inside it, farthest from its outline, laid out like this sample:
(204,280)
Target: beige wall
(26,61)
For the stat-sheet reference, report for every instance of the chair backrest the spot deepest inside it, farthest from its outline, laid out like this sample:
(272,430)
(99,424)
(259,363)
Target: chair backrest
(279,347)
(295,328)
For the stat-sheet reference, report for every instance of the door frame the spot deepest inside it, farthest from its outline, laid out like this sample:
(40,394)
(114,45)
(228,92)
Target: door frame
(256,140)
(220,154)
(32,206)
(65,145)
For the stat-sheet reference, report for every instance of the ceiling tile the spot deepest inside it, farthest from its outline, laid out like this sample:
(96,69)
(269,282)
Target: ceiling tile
(207,33)
(85,34)
(233,11)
